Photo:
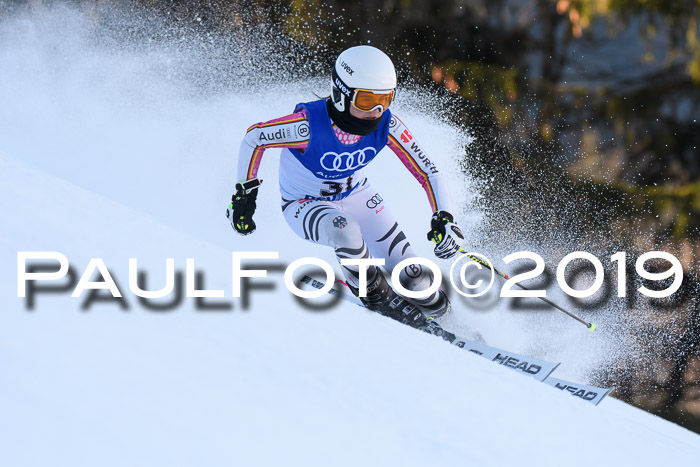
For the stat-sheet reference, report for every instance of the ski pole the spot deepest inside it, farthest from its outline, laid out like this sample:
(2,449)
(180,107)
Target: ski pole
(591,326)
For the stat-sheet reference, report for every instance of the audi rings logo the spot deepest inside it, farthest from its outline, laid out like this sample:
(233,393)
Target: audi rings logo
(334,162)
(303,130)
(374,201)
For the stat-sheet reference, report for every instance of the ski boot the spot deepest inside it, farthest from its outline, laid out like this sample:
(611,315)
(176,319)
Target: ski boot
(377,292)
(382,299)
(436,304)
(407,313)
(440,308)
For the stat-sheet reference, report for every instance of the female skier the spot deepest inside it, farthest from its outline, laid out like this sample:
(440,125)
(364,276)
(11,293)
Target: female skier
(326,197)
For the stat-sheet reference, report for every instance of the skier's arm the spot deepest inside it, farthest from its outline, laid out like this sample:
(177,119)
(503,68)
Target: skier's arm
(405,146)
(443,232)
(290,131)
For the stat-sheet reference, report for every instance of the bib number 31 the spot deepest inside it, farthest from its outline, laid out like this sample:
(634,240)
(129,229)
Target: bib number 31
(335,188)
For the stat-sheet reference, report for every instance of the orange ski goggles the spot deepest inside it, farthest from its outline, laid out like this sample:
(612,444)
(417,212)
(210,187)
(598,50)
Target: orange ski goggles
(366,100)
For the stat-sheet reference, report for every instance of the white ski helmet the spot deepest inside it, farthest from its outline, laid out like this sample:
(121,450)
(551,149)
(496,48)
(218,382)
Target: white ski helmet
(363,68)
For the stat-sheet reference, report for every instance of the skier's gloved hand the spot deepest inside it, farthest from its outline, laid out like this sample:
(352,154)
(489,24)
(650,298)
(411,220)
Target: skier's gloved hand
(445,234)
(242,207)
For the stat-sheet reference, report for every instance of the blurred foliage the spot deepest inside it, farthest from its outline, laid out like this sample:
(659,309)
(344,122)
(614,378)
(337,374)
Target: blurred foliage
(679,19)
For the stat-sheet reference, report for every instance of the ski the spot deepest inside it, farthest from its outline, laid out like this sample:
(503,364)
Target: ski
(540,370)
(586,392)
(536,368)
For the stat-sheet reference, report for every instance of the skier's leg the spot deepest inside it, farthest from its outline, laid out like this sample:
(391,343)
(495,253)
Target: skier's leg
(385,239)
(324,222)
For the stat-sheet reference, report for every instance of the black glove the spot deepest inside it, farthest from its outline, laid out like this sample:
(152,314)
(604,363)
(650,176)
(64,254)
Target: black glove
(445,234)
(242,207)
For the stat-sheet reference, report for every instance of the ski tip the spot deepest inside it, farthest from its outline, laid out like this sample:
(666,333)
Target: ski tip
(592,327)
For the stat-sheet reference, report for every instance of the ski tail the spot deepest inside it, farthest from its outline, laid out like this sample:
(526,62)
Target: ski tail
(586,392)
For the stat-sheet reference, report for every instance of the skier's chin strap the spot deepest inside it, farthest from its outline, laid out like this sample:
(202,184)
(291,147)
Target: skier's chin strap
(350,124)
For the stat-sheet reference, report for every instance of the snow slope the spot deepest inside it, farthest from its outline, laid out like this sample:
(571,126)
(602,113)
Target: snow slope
(101,155)
(276,385)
